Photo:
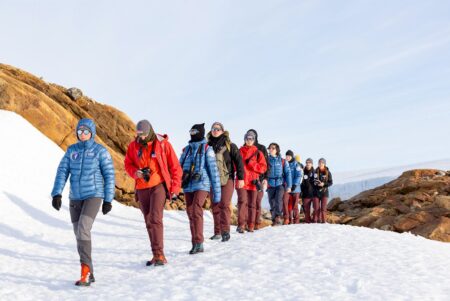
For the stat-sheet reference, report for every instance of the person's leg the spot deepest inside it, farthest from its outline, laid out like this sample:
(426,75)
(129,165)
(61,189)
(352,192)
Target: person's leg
(189,197)
(251,197)
(242,208)
(156,213)
(279,199)
(224,207)
(259,197)
(296,216)
(316,207)
(307,208)
(285,208)
(291,208)
(143,195)
(323,209)
(86,219)
(271,194)
(215,209)
(198,202)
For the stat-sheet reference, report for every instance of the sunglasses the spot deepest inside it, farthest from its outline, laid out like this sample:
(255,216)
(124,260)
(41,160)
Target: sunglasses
(216,129)
(85,132)
(250,139)
(141,134)
(194,132)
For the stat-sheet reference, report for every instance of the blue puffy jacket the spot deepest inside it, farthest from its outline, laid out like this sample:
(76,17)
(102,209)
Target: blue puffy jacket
(296,174)
(205,164)
(90,167)
(279,173)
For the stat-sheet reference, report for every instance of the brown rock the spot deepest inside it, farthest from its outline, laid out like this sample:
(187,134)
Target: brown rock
(412,220)
(334,204)
(442,201)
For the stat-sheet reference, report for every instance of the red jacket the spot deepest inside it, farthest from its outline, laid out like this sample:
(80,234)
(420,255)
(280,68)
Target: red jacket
(167,159)
(255,167)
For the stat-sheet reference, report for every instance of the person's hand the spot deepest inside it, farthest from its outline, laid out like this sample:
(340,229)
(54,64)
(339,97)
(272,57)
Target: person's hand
(293,187)
(106,207)
(264,183)
(321,184)
(288,190)
(241,184)
(139,174)
(56,202)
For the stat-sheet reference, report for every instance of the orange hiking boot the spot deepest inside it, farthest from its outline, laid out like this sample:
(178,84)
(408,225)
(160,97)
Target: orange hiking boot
(286,222)
(160,260)
(85,279)
(251,228)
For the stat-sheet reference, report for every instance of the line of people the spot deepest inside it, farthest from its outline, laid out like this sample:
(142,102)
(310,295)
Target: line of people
(209,165)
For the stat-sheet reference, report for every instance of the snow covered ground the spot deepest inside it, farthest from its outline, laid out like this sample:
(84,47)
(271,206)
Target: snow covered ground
(38,258)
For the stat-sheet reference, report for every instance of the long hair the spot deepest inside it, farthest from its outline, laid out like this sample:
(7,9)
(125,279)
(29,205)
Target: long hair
(277,147)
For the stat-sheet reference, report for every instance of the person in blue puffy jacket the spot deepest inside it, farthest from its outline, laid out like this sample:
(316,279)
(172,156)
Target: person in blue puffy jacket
(279,182)
(297,176)
(92,183)
(200,173)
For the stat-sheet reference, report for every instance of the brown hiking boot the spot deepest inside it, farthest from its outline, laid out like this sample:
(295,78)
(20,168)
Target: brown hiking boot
(251,228)
(286,222)
(85,279)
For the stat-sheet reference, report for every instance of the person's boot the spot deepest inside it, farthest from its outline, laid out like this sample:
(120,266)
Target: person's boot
(198,248)
(225,236)
(251,228)
(215,237)
(240,230)
(286,221)
(193,248)
(85,276)
(160,260)
(91,278)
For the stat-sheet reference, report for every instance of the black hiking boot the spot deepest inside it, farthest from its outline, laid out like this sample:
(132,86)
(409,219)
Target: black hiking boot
(225,236)
(198,248)
(240,230)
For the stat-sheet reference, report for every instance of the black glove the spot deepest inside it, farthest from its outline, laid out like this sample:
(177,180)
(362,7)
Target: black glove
(174,197)
(293,188)
(106,207)
(56,202)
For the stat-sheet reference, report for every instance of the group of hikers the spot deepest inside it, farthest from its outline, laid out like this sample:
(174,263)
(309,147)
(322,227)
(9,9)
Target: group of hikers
(209,165)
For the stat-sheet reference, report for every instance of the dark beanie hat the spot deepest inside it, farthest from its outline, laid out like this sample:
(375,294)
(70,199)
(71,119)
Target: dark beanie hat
(145,127)
(200,135)
(290,153)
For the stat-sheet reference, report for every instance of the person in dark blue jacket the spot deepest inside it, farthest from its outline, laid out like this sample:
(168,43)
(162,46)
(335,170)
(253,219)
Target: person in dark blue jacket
(297,175)
(279,182)
(92,183)
(200,173)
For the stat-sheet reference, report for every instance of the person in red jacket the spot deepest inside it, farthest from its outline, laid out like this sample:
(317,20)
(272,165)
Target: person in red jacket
(254,166)
(152,162)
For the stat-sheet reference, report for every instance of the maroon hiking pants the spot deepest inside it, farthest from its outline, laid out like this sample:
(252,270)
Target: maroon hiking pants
(151,202)
(259,197)
(222,211)
(246,206)
(307,207)
(194,207)
(323,210)
(293,208)
(286,206)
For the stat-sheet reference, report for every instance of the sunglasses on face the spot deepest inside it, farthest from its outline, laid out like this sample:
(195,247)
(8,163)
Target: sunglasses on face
(216,129)
(249,139)
(85,132)
(194,132)
(141,134)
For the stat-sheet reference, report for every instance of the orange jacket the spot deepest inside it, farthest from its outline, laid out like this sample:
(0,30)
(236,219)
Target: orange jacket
(169,166)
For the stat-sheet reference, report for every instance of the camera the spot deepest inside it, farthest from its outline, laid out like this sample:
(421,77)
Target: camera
(185,179)
(196,176)
(146,173)
(258,185)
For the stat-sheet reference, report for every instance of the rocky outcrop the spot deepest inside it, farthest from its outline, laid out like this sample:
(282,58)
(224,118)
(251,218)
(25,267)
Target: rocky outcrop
(55,111)
(417,202)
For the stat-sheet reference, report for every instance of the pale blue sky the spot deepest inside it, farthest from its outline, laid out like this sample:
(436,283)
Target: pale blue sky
(365,84)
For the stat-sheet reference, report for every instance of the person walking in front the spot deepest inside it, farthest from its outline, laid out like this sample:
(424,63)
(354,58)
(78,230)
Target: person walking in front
(309,191)
(230,165)
(254,166)
(200,176)
(90,168)
(151,161)
(280,182)
(323,181)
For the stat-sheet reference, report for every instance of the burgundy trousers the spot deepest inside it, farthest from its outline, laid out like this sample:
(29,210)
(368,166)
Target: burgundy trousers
(307,207)
(194,207)
(151,202)
(246,206)
(259,197)
(222,210)
(293,208)
(323,210)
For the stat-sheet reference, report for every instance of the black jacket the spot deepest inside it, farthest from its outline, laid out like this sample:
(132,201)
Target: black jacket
(232,158)
(327,179)
(309,190)
(263,149)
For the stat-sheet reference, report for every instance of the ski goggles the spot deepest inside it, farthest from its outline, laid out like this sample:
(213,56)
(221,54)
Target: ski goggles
(83,131)
(193,132)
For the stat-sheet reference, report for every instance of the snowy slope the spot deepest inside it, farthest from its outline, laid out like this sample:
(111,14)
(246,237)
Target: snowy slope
(38,259)
(348,184)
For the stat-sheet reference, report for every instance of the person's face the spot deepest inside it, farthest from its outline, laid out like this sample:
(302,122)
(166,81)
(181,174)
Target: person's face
(289,158)
(309,164)
(141,135)
(84,134)
(216,131)
(249,141)
(321,164)
(273,150)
